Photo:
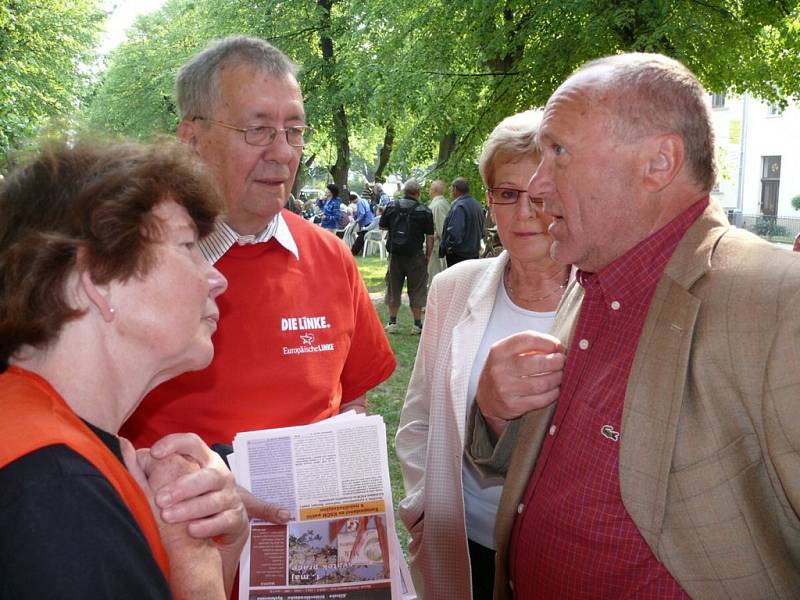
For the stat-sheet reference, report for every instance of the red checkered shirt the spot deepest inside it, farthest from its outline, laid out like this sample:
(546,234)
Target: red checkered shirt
(573,537)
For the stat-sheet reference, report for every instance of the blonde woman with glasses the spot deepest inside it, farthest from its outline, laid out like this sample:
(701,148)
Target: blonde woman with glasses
(474,344)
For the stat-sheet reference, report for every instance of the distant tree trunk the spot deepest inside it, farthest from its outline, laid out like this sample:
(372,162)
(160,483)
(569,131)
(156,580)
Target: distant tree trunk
(302,173)
(446,146)
(385,153)
(341,167)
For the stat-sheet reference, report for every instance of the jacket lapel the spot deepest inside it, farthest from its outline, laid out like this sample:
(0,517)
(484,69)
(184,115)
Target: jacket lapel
(468,333)
(656,385)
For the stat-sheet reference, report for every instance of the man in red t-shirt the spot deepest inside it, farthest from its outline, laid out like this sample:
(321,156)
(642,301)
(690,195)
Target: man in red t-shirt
(299,339)
(669,466)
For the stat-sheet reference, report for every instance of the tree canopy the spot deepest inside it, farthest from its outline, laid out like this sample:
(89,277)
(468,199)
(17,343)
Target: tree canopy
(414,87)
(45,50)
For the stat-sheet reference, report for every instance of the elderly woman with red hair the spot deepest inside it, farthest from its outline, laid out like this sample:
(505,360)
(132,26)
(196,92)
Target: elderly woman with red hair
(103,295)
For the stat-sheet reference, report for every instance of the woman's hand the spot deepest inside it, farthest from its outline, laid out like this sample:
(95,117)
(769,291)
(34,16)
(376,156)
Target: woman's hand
(522,373)
(207,498)
(195,564)
(204,498)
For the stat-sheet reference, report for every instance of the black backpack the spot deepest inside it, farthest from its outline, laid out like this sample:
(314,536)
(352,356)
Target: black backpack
(399,241)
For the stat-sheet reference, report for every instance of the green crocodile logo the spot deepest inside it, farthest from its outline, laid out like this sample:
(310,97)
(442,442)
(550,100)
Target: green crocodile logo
(608,431)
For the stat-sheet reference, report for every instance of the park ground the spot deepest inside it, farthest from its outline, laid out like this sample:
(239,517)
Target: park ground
(387,398)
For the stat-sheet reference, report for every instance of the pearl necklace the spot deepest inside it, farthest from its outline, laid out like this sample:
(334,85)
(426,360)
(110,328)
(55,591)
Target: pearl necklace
(510,289)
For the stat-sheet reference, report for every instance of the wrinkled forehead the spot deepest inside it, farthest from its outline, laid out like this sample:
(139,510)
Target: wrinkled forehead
(243,82)
(587,94)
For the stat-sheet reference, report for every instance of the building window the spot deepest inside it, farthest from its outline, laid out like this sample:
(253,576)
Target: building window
(774,109)
(717,100)
(770,184)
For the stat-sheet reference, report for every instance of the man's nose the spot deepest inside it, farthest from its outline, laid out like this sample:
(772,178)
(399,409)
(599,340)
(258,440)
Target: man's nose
(540,184)
(279,150)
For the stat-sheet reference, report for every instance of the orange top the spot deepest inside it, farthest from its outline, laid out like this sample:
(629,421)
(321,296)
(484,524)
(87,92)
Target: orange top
(34,416)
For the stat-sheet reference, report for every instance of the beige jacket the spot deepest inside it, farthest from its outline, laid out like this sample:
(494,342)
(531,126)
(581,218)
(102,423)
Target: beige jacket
(439,207)
(430,438)
(710,437)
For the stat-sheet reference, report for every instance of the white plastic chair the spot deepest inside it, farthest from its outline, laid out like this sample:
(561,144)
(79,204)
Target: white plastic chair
(349,235)
(372,239)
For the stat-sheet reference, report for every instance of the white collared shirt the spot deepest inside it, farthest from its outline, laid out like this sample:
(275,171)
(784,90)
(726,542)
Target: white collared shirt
(217,243)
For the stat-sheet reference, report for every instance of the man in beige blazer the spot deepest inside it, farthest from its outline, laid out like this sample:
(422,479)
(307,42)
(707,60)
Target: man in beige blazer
(709,469)
(439,207)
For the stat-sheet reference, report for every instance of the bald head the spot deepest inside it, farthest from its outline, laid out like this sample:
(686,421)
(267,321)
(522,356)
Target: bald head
(437,188)
(647,94)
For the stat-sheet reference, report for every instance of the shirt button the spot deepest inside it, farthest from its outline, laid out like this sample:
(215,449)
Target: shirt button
(552,430)
(520,508)
(583,344)
(511,585)
(615,305)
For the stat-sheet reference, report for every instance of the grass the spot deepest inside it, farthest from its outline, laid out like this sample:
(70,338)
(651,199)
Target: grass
(372,270)
(387,398)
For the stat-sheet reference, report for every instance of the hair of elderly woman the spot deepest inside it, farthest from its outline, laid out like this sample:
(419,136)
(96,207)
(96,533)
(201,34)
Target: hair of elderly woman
(511,140)
(89,196)
(197,88)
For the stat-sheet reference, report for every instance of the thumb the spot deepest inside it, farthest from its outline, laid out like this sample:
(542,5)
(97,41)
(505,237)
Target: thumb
(259,509)
(130,457)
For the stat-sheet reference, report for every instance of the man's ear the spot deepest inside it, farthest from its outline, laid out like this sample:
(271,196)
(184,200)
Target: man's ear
(187,134)
(665,157)
(97,295)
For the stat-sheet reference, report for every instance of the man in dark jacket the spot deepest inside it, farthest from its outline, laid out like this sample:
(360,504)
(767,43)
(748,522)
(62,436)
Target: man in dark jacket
(463,227)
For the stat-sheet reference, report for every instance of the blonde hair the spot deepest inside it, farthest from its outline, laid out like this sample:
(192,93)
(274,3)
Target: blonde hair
(513,139)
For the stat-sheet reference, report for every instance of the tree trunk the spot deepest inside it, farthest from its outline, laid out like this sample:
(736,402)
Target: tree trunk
(385,153)
(341,167)
(446,146)
(302,173)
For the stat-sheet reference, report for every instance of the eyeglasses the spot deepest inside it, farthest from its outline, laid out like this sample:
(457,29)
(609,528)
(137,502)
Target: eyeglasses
(264,135)
(504,196)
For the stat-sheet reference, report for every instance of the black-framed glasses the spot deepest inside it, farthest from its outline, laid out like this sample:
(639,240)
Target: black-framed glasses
(504,196)
(263,135)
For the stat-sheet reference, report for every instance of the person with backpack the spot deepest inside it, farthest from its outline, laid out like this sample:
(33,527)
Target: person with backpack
(409,224)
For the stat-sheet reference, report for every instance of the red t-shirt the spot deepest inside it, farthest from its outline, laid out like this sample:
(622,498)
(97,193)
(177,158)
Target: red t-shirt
(296,339)
(573,537)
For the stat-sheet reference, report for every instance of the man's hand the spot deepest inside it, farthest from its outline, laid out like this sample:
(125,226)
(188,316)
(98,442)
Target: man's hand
(357,404)
(522,373)
(258,509)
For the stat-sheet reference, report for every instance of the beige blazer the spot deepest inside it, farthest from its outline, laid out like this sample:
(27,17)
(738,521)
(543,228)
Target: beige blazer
(430,437)
(439,207)
(709,461)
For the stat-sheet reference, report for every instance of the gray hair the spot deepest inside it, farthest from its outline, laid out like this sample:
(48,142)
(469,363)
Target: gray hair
(411,187)
(655,93)
(461,184)
(198,87)
(513,139)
